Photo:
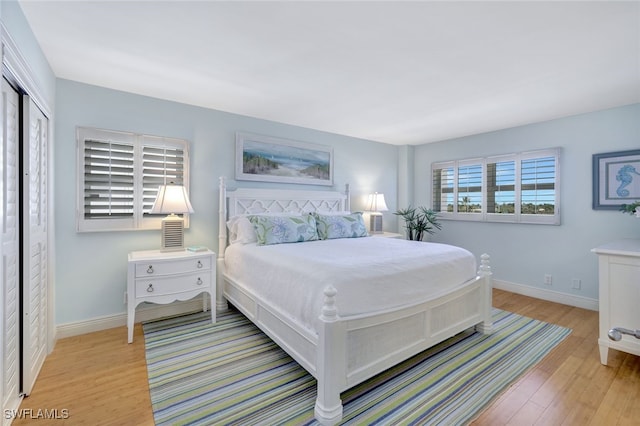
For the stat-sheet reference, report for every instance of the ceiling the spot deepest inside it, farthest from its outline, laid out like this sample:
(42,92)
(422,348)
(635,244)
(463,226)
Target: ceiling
(395,72)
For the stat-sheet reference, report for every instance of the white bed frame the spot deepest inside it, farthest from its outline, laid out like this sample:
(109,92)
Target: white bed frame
(346,350)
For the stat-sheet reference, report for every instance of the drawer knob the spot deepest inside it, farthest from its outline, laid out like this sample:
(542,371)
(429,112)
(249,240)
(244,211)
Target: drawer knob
(150,288)
(150,269)
(199,264)
(199,282)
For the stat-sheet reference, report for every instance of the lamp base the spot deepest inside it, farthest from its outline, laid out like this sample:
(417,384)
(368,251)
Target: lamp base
(375,223)
(172,233)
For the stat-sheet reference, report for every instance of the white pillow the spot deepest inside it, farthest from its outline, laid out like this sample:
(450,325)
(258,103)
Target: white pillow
(241,230)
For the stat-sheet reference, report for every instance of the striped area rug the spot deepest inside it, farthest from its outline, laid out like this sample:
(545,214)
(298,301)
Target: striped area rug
(230,373)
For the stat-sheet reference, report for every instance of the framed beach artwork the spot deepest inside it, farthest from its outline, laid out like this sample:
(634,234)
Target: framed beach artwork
(616,179)
(269,159)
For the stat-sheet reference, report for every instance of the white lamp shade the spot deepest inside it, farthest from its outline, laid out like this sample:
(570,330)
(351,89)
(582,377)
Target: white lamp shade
(172,199)
(376,203)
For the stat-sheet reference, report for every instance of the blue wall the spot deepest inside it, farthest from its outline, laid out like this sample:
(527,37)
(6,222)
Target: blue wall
(92,267)
(522,254)
(18,28)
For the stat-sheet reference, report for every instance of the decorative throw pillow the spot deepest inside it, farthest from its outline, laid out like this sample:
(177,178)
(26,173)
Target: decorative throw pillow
(281,229)
(349,225)
(241,230)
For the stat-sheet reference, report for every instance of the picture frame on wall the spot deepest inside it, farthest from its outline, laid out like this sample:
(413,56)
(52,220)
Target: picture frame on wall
(616,179)
(270,159)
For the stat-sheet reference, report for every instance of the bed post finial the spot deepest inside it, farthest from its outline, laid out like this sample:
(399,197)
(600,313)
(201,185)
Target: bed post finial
(329,311)
(485,267)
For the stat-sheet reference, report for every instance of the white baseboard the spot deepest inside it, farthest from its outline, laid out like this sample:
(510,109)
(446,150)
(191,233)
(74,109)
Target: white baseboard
(143,313)
(149,312)
(550,295)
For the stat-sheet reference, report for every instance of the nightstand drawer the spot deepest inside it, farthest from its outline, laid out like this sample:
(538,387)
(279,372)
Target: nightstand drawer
(158,267)
(170,285)
(164,277)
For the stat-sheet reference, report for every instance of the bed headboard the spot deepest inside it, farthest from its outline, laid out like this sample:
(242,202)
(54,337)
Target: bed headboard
(254,200)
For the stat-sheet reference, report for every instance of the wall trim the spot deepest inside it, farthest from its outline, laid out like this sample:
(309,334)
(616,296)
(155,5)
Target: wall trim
(549,295)
(21,72)
(150,312)
(143,313)
(16,69)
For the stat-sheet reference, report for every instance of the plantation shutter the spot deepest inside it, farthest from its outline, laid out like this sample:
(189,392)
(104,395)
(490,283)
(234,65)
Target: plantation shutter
(470,188)
(538,186)
(108,179)
(443,188)
(517,188)
(501,186)
(121,173)
(161,165)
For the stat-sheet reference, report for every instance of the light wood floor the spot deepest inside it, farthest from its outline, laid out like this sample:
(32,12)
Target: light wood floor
(102,380)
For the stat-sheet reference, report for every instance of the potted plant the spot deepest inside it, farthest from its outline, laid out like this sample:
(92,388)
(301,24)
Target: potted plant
(418,221)
(632,209)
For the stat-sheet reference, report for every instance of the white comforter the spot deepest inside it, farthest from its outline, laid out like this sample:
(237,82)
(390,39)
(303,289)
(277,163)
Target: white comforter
(369,273)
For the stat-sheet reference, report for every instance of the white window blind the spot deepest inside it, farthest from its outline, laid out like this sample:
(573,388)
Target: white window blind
(501,186)
(160,165)
(521,188)
(538,186)
(443,183)
(121,175)
(470,188)
(108,179)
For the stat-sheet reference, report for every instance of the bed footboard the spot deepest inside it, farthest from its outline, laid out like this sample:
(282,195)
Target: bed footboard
(351,350)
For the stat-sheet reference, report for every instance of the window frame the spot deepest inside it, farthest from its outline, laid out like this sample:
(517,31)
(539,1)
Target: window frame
(517,216)
(138,219)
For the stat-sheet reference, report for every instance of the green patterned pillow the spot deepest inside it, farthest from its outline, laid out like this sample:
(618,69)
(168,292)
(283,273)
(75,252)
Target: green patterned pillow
(283,229)
(340,226)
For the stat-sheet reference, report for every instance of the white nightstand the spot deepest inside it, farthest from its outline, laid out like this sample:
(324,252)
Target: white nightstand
(164,277)
(388,235)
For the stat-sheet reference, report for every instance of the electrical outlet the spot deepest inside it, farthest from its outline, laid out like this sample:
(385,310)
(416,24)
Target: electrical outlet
(547,279)
(125,298)
(576,283)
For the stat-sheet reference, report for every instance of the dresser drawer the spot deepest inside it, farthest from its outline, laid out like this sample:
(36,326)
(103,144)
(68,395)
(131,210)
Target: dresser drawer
(150,287)
(180,266)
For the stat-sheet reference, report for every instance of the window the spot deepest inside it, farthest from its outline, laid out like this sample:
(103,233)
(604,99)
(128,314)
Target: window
(469,188)
(519,188)
(119,175)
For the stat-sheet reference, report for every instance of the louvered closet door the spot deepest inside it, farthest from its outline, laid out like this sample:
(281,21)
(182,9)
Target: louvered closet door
(9,268)
(35,250)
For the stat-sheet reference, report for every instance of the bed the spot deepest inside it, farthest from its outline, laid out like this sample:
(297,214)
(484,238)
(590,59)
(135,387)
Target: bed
(364,305)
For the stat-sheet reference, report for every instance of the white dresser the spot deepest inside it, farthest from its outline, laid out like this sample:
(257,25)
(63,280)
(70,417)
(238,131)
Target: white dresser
(619,279)
(164,277)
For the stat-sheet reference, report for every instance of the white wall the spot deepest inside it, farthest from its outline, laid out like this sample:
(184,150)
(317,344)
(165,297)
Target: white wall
(91,271)
(522,254)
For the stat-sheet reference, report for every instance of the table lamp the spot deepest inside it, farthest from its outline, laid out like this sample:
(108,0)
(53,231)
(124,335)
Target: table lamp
(375,205)
(173,200)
